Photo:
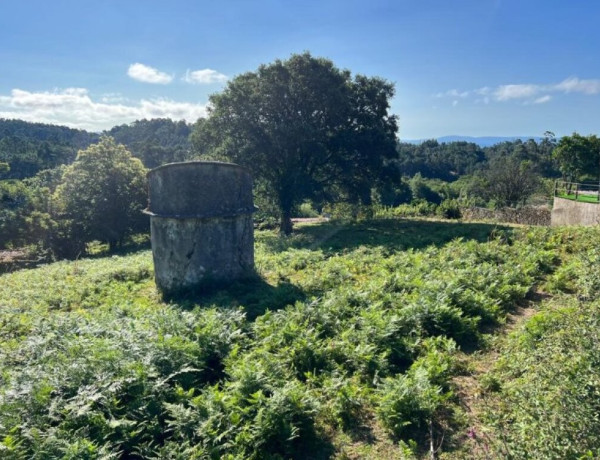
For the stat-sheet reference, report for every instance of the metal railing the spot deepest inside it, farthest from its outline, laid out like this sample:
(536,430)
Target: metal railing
(577,191)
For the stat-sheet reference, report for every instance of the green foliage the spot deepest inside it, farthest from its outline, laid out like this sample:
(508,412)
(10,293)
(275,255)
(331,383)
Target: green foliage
(450,161)
(306,210)
(27,148)
(155,142)
(345,210)
(411,403)
(578,157)
(393,194)
(415,209)
(289,123)
(102,195)
(15,205)
(27,216)
(449,209)
(546,384)
(445,161)
(345,322)
(510,182)
(550,386)
(421,191)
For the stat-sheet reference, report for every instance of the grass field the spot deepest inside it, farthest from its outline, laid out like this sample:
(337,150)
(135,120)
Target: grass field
(350,342)
(580,197)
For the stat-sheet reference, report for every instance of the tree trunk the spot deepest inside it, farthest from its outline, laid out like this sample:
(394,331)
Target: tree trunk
(286,225)
(286,204)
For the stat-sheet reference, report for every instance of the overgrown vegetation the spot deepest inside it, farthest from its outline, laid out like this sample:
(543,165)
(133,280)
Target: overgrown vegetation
(33,159)
(349,333)
(428,179)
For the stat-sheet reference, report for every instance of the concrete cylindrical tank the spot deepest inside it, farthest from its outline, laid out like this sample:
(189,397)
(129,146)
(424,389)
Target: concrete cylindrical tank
(201,224)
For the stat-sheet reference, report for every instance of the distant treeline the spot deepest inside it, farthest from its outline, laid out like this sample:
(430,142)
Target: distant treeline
(27,148)
(431,177)
(450,161)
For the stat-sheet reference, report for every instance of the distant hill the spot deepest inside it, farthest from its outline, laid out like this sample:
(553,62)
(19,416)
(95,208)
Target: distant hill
(485,141)
(155,142)
(30,147)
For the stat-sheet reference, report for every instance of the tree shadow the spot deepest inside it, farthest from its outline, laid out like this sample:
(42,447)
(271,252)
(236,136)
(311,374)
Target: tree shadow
(256,296)
(391,234)
(253,295)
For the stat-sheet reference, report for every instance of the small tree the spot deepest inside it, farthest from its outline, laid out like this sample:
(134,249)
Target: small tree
(510,182)
(102,194)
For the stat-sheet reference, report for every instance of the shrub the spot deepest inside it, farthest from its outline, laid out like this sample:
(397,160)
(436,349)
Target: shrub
(449,209)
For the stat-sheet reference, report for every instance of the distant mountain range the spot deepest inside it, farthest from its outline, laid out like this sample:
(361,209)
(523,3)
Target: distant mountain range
(484,141)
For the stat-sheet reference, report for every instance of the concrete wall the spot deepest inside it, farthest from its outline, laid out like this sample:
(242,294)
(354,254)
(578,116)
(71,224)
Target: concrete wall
(569,212)
(190,252)
(201,224)
(199,188)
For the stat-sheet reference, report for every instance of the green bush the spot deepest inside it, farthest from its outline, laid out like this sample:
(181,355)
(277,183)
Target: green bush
(306,210)
(345,210)
(449,209)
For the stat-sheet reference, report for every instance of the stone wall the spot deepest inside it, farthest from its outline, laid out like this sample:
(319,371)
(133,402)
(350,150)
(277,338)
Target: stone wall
(530,215)
(570,212)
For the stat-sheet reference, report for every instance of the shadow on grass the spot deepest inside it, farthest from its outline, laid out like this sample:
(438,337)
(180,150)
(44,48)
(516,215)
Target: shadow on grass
(392,234)
(256,296)
(253,294)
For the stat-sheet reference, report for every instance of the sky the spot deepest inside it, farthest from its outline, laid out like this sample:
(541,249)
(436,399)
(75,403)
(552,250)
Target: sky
(460,67)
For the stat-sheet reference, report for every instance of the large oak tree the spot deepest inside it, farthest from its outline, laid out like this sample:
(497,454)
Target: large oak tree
(303,127)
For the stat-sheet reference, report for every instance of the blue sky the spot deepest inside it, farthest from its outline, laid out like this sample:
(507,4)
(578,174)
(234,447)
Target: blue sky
(467,67)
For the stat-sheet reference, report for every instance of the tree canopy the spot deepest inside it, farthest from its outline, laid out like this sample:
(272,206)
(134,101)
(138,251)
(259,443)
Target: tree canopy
(578,156)
(155,142)
(102,194)
(304,127)
(27,148)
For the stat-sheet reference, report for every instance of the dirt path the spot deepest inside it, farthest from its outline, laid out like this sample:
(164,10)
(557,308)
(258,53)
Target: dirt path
(470,391)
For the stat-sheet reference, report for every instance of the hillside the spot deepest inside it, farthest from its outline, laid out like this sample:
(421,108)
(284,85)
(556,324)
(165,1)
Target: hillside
(369,340)
(31,147)
(28,148)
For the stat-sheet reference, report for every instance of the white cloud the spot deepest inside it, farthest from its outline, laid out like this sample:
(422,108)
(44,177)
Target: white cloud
(204,77)
(452,93)
(506,92)
(111,98)
(454,103)
(75,108)
(543,99)
(146,74)
(528,93)
(574,84)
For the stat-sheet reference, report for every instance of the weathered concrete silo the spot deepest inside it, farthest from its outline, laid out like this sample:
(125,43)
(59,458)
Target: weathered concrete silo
(201,224)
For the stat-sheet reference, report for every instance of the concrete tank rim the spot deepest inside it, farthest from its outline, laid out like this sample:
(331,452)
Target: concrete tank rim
(180,164)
